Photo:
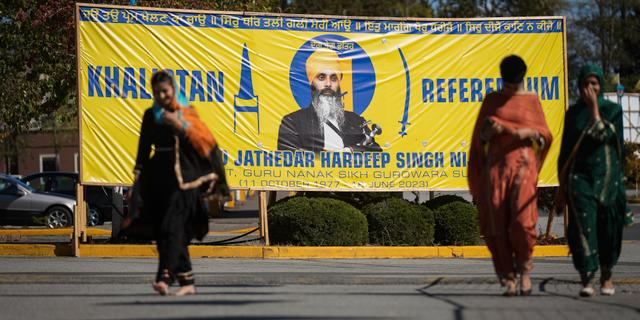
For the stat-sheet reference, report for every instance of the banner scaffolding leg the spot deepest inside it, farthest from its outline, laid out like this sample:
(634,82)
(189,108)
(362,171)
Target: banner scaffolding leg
(264,222)
(260,217)
(273,195)
(79,221)
(552,214)
(566,222)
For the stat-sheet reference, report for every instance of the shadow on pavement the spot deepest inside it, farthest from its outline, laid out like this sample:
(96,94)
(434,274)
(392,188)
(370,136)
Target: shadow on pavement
(239,214)
(237,286)
(88,295)
(545,282)
(140,295)
(459,308)
(192,302)
(266,317)
(558,261)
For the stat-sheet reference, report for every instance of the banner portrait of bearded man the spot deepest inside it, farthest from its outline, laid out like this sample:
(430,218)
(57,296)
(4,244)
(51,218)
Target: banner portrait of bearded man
(325,125)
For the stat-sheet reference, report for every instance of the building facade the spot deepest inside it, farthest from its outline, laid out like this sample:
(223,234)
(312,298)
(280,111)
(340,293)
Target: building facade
(40,151)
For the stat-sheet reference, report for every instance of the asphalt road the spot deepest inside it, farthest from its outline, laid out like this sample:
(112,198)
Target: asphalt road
(91,288)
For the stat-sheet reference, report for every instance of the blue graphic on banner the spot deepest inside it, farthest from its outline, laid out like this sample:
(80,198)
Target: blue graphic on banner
(246,91)
(224,21)
(364,76)
(407,97)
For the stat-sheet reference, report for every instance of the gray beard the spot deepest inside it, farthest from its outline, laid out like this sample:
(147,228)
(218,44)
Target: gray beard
(328,108)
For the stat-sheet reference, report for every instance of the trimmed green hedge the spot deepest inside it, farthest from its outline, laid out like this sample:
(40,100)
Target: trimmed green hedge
(439,201)
(395,221)
(457,224)
(317,222)
(356,199)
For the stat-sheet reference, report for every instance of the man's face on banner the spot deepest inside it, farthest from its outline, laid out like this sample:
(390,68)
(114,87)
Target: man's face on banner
(325,91)
(327,82)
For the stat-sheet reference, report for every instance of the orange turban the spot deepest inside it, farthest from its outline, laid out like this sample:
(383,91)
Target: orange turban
(328,60)
(324,60)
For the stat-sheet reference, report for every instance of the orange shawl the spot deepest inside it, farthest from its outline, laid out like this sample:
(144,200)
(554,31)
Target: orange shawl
(511,112)
(196,131)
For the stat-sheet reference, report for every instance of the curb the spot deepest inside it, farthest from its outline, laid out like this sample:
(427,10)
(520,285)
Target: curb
(270,252)
(52,232)
(36,250)
(94,232)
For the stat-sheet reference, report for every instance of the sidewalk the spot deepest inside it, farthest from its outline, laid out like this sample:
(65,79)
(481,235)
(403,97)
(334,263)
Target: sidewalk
(95,288)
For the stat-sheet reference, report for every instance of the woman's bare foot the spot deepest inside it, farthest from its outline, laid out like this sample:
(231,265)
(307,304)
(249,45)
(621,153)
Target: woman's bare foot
(161,287)
(525,284)
(511,288)
(186,290)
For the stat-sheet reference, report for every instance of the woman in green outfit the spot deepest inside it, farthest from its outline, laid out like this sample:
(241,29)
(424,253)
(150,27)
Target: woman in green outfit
(592,181)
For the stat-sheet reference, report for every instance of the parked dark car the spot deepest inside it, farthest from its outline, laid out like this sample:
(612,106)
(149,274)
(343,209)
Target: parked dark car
(21,204)
(98,198)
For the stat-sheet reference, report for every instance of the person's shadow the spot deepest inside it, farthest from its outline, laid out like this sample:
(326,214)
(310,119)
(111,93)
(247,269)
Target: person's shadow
(460,309)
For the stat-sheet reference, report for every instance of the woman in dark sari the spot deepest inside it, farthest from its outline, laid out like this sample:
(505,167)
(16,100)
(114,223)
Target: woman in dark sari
(171,186)
(592,181)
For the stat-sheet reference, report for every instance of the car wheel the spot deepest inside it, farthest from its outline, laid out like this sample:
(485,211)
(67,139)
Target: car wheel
(93,217)
(59,217)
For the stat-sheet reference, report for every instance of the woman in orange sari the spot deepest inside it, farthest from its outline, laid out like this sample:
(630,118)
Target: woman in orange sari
(509,144)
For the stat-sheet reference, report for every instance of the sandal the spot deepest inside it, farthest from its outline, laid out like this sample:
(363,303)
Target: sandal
(587,284)
(605,279)
(523,291)
(587,292)
(511,288)
(607,291)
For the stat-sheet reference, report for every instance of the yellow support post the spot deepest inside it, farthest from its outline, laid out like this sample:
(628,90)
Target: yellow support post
(260,216)
(566,222)
(264,222)
(232,200)
(79,221)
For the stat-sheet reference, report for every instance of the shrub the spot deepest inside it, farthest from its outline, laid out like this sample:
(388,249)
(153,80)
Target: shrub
(316,222)
(456,223)
(547,197)
(356,199)
(437,202)
(395,221)
(632,163)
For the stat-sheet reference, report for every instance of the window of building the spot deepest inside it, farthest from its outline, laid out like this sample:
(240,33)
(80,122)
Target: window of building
(48,162)
(11,164)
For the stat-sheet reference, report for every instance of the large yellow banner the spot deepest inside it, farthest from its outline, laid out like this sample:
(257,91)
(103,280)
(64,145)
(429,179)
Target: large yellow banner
(303,103)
